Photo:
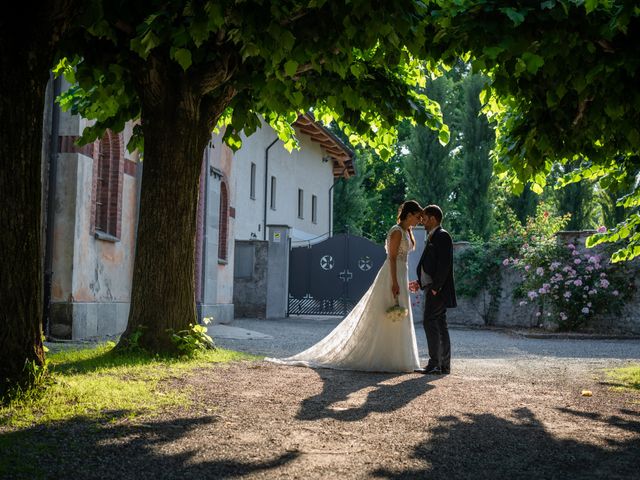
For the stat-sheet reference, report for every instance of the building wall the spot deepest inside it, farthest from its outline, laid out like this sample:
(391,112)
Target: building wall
(91,280)
(302,169)
(217,294)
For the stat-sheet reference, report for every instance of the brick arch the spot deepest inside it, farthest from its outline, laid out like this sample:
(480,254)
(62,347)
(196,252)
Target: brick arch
(223,228)
(108,173)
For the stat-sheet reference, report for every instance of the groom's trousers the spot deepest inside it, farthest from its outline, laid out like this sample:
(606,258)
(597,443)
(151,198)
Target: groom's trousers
(435,327)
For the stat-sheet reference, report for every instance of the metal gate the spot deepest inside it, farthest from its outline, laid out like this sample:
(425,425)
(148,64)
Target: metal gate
(330,277)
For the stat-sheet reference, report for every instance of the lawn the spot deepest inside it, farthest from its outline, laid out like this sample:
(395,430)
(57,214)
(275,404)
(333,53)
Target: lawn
(98,383)
(626,378)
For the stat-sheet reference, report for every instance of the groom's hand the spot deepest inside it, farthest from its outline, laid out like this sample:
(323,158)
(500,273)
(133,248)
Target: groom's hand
(434,292)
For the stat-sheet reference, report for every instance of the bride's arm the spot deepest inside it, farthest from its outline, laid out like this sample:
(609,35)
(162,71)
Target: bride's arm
(394,245)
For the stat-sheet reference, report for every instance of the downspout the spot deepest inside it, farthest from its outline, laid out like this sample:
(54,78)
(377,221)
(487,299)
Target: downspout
(51,195)
(203,273)
(331,200)
(266,183)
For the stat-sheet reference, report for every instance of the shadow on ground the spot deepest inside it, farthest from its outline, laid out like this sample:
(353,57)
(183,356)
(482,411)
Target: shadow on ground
(82,449)
(383,395)
(483,446)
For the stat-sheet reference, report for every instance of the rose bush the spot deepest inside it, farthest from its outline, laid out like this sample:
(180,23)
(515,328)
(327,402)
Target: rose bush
(570,286)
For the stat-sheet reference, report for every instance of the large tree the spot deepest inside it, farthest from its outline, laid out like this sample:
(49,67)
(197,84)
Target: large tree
(565,76)
(183,67)
(29,36)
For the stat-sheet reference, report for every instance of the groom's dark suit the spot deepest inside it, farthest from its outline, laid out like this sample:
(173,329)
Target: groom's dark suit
(437,263)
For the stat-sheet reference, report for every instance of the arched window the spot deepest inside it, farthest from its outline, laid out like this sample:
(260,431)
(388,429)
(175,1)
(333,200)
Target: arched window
(223,230)
(108,180)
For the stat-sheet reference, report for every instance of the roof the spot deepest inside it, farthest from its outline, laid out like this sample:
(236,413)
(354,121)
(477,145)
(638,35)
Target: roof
(336,150)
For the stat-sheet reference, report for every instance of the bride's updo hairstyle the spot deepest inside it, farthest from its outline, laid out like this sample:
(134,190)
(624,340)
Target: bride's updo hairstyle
(410,206)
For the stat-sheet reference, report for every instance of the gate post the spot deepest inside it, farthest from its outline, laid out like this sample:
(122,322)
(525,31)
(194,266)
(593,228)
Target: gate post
(277,271)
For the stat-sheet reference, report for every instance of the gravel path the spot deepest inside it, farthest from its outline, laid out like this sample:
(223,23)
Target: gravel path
(512,408)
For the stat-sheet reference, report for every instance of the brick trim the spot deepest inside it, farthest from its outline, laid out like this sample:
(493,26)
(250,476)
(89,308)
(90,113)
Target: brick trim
(223,231)
(130,167)
(66,144)
(108,179)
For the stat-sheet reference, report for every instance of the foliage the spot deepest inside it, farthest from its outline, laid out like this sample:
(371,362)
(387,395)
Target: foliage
(476,166)
(564,76)
(100,383)
(477,271)
(479,267)
(36,380)
(352,203)
(427,164)
(265,59)
(575,198)
(569,285)
(386,188)
(131,344)
(193,340)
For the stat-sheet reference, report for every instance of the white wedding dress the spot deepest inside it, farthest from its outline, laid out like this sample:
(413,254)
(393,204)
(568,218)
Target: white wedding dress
(366,340)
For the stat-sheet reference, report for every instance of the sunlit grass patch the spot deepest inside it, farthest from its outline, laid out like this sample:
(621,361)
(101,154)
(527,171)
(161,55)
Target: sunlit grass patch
(627,378)
(101,384)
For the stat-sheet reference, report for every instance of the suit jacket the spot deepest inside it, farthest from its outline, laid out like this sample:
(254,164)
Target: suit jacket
(437,262)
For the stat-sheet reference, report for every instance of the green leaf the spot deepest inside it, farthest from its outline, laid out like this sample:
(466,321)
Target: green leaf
(517,17)
(291,67)
(591,5)
(535,187)
(493,52)
(444,135)
(533,61)
(182,56)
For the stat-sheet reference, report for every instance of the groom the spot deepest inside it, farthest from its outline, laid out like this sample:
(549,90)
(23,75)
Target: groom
(435,277)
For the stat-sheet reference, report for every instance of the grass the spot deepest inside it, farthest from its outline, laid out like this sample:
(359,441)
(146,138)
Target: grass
(98,384)
(625,378)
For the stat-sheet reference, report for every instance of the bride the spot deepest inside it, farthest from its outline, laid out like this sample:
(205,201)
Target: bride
(366,339)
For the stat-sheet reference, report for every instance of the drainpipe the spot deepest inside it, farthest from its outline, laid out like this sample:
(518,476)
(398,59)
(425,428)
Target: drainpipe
(203,273)
(51,194)
(266,183)
(331,202)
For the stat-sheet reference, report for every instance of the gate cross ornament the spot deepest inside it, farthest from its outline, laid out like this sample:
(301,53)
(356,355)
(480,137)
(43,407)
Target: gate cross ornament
(346,275)
(326,262)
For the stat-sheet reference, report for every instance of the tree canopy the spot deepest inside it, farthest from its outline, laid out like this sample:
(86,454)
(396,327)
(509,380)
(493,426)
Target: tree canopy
(564,88)
(350,61)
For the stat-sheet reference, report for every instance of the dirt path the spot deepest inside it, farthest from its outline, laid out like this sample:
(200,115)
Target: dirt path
(489,419)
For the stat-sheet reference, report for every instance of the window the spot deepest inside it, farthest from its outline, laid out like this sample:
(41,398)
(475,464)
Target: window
(300,203)
(223,230)
(314,209)
(273,193)
(108,181)
(252,192)
(244,260)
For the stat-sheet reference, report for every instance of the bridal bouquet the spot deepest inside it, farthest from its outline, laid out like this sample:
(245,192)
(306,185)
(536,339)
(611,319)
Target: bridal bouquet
(397,313)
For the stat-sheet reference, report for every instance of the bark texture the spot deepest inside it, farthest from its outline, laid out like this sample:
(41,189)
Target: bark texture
(177,120)
(28,38)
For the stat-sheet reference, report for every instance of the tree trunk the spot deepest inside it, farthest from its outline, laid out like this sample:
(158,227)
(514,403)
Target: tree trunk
(28,38)
(176,131)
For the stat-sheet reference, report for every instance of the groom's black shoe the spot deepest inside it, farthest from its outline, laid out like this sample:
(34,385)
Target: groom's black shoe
(429,370)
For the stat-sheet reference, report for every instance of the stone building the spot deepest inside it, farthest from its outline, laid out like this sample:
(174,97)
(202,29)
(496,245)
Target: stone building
(261,194)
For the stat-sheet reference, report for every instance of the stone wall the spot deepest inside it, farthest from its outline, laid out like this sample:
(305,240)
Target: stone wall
(250,278)
(473,311)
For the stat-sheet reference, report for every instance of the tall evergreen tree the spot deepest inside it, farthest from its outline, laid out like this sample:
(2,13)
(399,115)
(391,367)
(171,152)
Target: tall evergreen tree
(352,202)
(476,139)
(427,163)
(576,199)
